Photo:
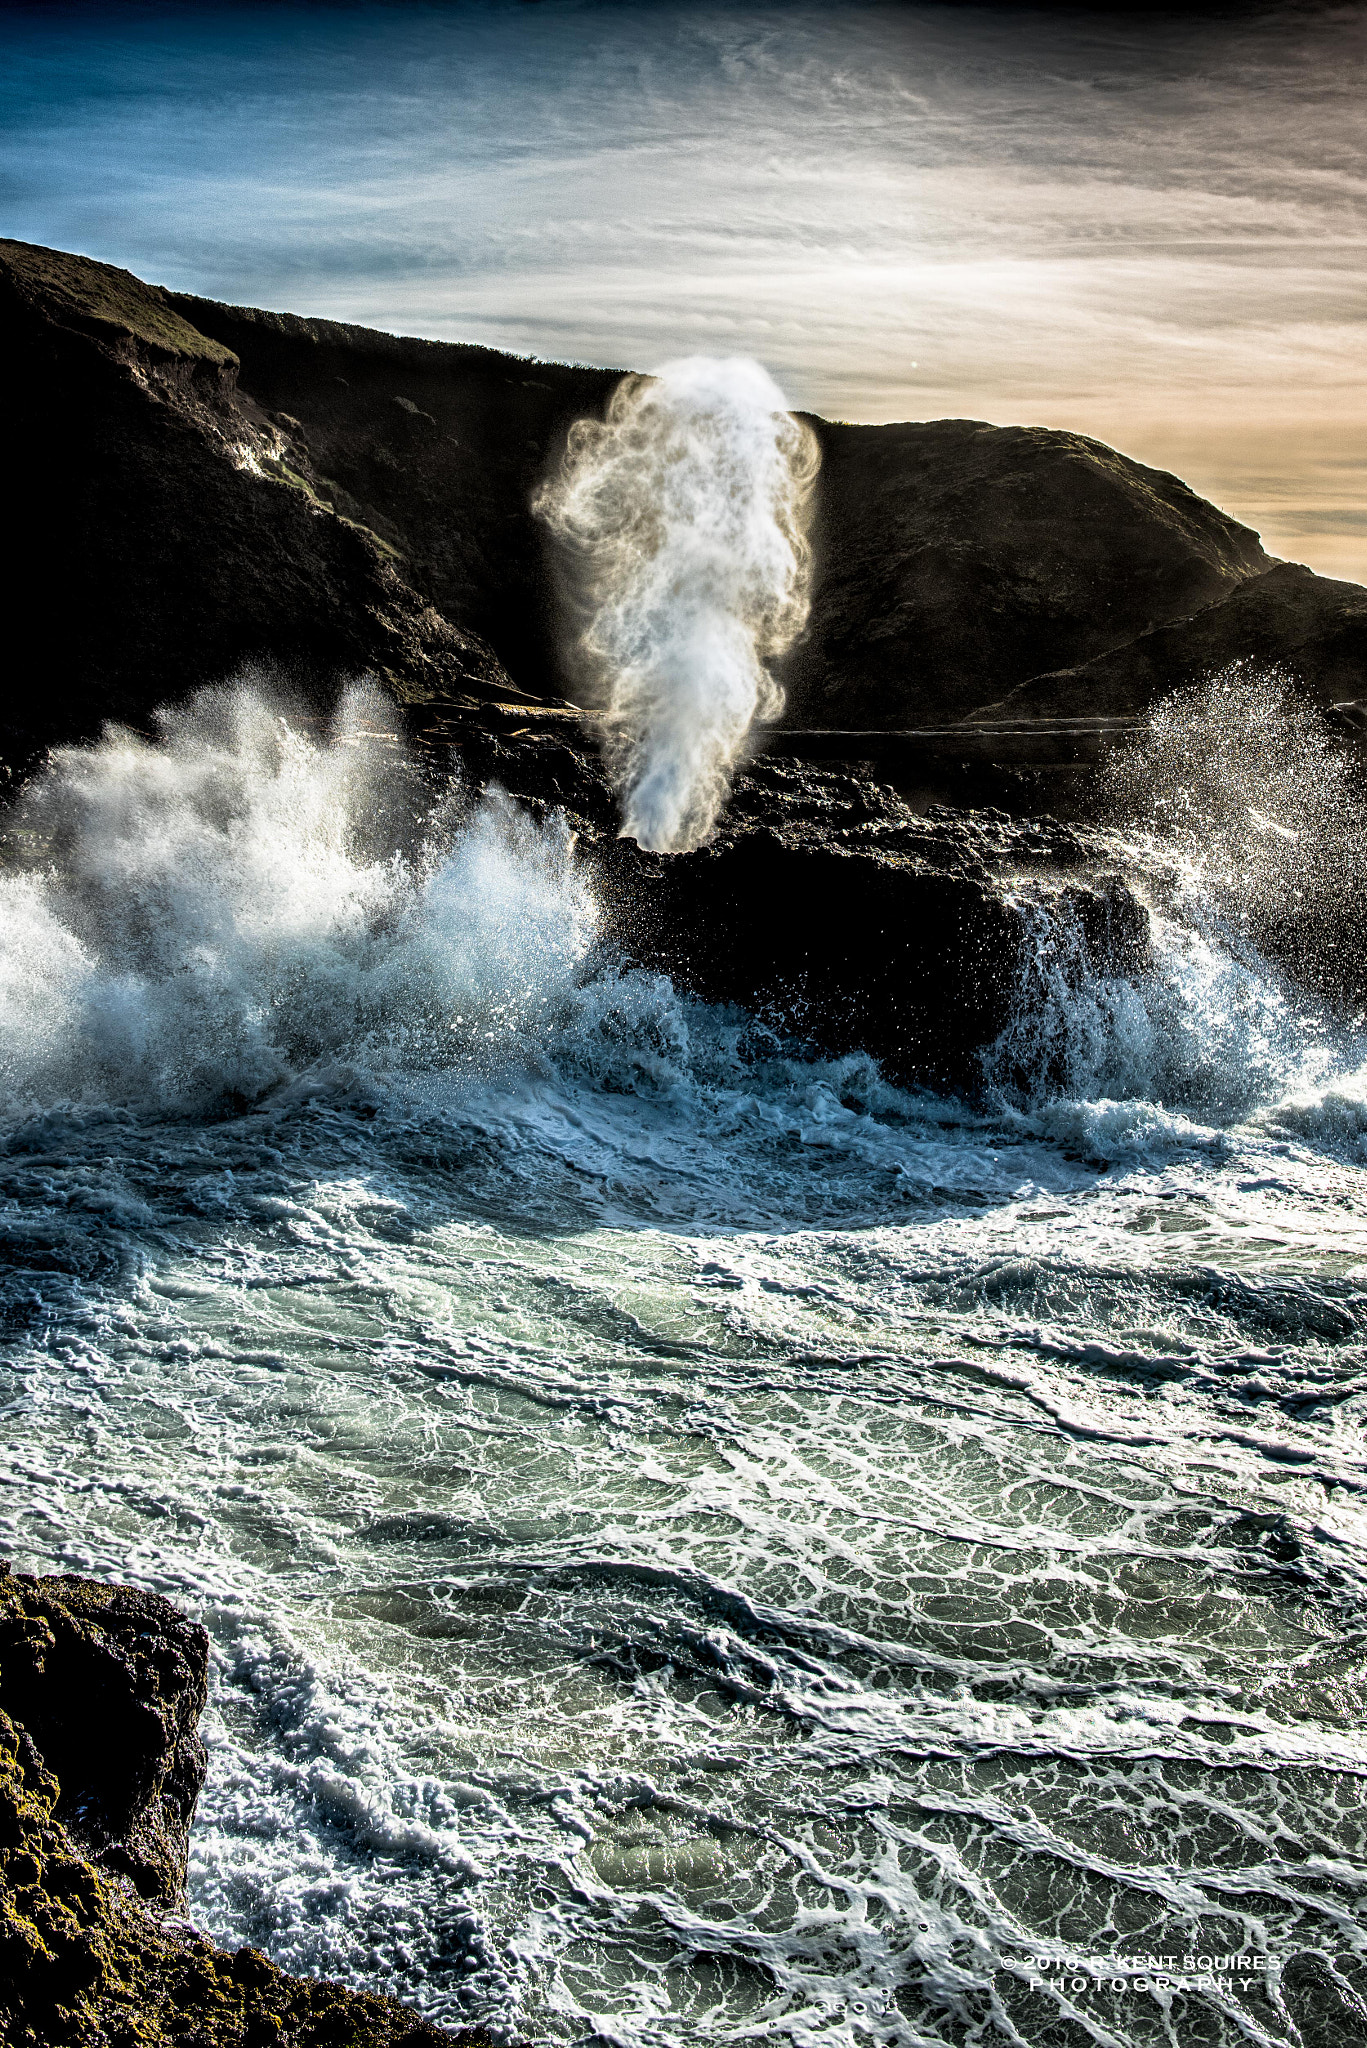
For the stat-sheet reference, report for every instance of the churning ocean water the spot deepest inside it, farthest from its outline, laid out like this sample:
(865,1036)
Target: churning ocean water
(699,1545)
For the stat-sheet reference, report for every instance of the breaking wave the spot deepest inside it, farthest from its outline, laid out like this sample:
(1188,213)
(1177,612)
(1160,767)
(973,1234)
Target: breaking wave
(216,913)
(1239,823)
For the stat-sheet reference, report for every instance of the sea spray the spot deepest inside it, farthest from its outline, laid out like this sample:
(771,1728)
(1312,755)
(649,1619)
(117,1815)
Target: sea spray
(684,510)
(1242,803)
(1243,827)
(1205,1024)
(229,907)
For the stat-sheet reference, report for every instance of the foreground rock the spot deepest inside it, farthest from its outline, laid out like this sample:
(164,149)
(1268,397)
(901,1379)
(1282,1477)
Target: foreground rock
(101,1689)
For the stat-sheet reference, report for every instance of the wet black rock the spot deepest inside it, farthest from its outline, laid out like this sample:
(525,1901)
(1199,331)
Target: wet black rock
(851,923)
(846,917)
(109,1684)
(1311,628)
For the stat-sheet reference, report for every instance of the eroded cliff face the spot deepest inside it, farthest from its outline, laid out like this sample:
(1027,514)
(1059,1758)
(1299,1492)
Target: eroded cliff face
(101,1689)
(164,539)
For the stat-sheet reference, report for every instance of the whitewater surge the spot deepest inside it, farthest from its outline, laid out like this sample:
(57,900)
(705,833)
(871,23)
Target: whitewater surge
(698,1546)
(227,910)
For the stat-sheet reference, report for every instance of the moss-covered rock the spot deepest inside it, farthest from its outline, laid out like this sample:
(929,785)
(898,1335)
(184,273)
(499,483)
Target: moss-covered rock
(109,1683)
(100,1762)
(105,301)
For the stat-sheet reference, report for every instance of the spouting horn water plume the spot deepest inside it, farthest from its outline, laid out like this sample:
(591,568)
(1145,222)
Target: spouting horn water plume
(685,510)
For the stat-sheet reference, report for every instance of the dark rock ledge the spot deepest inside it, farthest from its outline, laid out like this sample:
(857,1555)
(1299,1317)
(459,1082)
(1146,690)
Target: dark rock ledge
(851,923)
(101,1689)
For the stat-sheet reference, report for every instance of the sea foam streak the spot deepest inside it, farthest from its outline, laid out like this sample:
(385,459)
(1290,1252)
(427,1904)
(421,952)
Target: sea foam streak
(684,509)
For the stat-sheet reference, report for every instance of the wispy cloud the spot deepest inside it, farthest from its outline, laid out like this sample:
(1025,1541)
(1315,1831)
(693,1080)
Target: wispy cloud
(1148,227)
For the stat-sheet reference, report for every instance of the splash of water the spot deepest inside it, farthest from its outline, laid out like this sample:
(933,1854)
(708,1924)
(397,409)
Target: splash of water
(1246,831)
(228,907)
(1208,1026)
(684,509)
(1237,792)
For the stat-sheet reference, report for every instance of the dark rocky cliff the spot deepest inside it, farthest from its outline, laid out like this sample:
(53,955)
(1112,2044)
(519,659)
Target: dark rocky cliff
(159,543)
(205,484)
(953,559)
(956,559)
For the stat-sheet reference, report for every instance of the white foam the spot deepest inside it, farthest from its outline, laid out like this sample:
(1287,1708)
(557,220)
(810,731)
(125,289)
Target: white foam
(216,922)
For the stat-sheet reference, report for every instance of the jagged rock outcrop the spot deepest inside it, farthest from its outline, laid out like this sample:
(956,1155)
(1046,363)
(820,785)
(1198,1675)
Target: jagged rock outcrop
(101,1689)
(826,903)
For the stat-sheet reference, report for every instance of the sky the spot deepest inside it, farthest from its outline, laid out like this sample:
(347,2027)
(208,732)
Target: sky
(1147,226)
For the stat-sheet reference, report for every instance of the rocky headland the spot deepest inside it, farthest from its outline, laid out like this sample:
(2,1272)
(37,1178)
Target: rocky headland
(211,487)
(207,489)
(206,486)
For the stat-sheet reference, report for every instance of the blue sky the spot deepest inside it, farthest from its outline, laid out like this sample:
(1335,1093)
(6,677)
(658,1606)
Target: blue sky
(1150,227)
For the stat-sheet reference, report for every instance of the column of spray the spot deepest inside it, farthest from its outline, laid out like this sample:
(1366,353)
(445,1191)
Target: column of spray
(684,513)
